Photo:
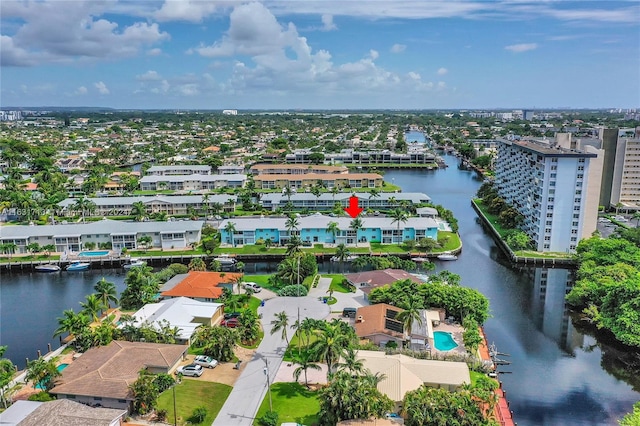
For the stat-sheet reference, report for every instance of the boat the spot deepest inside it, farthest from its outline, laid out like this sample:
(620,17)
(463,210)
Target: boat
(225,259)
(47,268)
(419,259)
(350,258)
(78,266)
(447,256)
(132,263)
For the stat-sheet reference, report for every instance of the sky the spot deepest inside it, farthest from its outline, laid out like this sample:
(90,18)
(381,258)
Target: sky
(320,54)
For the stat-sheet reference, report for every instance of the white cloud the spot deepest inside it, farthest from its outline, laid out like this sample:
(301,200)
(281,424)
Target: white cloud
(373,54)
(190,89)
(149,76)
(523,47)
(327,23)
(185,10)
(156,51)
(442,71)
(102,88)
(81,90)
(47,32)
(398,48)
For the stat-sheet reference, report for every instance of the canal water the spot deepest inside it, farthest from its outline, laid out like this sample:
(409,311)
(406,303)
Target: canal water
(559,375)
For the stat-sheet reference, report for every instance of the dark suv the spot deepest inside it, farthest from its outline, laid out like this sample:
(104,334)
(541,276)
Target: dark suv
(349,312)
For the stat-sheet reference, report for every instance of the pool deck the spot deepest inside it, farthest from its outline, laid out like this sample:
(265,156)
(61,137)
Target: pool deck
(456,331)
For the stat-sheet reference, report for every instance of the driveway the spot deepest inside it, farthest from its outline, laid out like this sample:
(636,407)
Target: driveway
(242,404)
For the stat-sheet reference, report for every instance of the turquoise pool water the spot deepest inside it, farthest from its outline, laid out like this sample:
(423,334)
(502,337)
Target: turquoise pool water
(59,368)
(93,253)
(443,341)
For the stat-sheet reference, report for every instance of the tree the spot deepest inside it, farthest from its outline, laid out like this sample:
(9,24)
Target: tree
(106,291)
(636,217)
(399,216)
(142,288)
(281,323)
(92,306)
(471,337)
(350,363)
(71,323)
(342,252)
(138,211)
(332,338)
(428,244)
(517,240)
(348,397)
(230,228)
(248,327)
(48,249)
(334,229)
(216,342)
(411,314)
(7,370)
(304,362)
(439,407)
(145,393)
(294,246)
(84,205)
(145,242)
(42,373)
(633,418)
(356,225)
(197,264)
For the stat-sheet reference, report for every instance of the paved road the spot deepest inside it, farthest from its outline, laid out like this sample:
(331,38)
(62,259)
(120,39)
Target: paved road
(250,388)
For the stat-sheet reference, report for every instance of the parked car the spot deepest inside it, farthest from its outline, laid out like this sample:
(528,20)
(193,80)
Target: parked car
(205,361)
(253,286)
(349,312)
(193,370)
(231,323)
(230,315)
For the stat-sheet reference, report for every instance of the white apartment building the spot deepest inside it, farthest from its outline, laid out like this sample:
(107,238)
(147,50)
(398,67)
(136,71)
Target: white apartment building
(625,188)
(555,189)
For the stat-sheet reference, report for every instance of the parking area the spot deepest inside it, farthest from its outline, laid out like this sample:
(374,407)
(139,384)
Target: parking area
(225,372)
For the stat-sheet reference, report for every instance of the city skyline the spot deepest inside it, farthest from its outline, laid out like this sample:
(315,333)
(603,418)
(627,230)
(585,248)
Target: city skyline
(320,55)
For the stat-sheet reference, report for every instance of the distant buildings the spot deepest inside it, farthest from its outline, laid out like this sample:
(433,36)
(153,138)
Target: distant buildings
(328,201)
(555,189)
(625,188)
(328,180)
(191,182)
(178,170)
(230,112)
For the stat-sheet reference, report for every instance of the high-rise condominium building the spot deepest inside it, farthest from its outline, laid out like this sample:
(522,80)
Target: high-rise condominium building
(555,189)
(625,189)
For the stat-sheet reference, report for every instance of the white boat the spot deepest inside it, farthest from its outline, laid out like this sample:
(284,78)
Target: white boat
(447,256)
(349,258)
(132,263)
(78,266)
(47,268)
(419,259)
(225,259)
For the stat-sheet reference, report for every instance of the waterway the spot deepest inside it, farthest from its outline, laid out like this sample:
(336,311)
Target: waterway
(559,375)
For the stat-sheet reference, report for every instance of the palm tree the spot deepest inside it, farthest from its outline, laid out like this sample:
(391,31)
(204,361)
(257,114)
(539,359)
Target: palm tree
(351,363)
(292,223)
(342,252)
(398,216)
(281,323)
(636,216)
(83,205)
(374,193)
(294,246)
(106,291)
(138,211)
(304,363)
(317,192)
(356,225)
(71,323)
(333,228)
(42,372)
(48,249)
(197,264)
(230,228)
(9,248)
(92,306)
(412,314)
(288,192)
(330,344)
(205,205)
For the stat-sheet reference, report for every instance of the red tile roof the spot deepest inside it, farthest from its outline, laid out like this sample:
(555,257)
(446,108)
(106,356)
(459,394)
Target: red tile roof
(203,285)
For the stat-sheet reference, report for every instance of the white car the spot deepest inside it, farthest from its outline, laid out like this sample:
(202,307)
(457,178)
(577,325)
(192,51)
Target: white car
(205,361)
(253,286)
(193,370)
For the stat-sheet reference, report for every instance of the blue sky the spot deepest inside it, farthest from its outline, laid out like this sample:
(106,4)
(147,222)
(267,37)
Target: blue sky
(320,54)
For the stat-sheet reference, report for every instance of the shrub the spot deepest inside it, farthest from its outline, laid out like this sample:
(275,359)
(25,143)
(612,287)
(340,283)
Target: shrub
(391,344)
(270,418)
(41,397)
(161,415)
(293,290)
(198,415)
(163,382)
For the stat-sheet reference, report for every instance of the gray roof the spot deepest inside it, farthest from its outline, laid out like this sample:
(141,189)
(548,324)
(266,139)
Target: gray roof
(179,167)
(194,177)
(165,199)
(320,221)
(414,197)
(105,226)
(172,282)
(64,412)
(17,412)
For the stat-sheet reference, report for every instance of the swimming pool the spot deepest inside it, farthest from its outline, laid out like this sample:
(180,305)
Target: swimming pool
(93,253)
(443,341)
(59,368)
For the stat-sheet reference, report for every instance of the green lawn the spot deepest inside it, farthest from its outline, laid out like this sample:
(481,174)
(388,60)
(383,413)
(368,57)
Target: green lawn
(453,243)
(261,280)
(491,218)
(474,377)
(336,283)
(387,248)
(293,403)
(193,393)
(292,349)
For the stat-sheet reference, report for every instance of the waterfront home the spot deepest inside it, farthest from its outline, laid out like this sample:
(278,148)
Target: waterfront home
(172,205)
(327,201)
(184,313)
(193,182)
(199,285)
(328,180)
(402,373)
(378,324)
(315,229)
(102,375)
(184,169)
(368,280)
(296,169)
(120,234)
(60,412)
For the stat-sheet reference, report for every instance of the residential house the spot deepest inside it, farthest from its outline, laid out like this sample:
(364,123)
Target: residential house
(61,412)
(378,324)
(183,169)
(103,374)
(308,180)
(296,169)
(368,280)
(181,312)
(315,229)
(328,201)
(402,373)
(192,182)
(201,286)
